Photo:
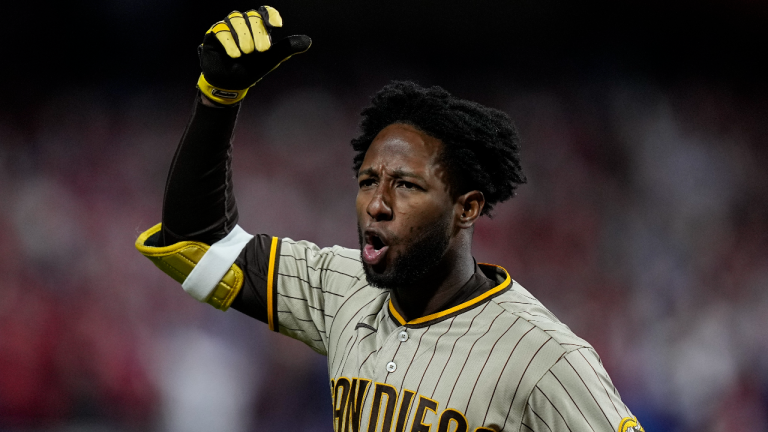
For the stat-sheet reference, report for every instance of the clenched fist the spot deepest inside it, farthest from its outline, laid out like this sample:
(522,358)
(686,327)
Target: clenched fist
(237,52)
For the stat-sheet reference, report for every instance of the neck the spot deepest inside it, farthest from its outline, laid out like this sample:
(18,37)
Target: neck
(433,291)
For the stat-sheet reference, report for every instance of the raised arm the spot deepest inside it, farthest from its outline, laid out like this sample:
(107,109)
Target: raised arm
(199,204)
(235,54)
(198,239)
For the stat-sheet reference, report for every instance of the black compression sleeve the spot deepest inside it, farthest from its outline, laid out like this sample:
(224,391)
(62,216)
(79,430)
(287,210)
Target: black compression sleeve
(199,203)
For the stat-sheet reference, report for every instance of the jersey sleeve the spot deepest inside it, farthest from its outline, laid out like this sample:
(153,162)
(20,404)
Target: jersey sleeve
(295,286)
(576,394)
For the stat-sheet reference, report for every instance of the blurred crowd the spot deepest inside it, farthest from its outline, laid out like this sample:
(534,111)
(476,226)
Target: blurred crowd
(644,227)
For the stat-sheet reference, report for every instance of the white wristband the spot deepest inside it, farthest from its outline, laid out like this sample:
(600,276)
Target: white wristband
(215,263)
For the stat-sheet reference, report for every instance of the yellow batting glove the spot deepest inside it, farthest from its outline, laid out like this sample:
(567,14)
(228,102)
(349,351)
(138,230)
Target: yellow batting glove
(237,52)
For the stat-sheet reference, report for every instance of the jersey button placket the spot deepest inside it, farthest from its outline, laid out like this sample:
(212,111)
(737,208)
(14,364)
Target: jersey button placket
(389,350)
(402,337)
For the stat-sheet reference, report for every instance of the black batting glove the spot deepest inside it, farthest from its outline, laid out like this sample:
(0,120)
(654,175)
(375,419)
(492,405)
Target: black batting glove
(238,52)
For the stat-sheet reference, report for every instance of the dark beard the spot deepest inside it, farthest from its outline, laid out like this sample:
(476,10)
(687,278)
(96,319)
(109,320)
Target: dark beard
(419,259)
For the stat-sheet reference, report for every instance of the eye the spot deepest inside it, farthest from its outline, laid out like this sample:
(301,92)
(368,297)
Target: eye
(407,185)
(367,182)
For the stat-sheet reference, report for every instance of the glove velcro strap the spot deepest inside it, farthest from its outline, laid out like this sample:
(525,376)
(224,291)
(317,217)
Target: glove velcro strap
(219,95)
(205,272)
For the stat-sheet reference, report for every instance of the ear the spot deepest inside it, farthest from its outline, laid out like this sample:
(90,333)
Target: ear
(468,208)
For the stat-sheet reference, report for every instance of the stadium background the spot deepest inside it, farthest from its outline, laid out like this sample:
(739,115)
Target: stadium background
(644,225)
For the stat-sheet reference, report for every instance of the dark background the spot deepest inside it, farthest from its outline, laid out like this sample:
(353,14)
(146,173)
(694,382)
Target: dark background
(644,225)
(128,43)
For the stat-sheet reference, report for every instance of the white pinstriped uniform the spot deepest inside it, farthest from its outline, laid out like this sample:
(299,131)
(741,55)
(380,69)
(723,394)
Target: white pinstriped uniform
(499,362)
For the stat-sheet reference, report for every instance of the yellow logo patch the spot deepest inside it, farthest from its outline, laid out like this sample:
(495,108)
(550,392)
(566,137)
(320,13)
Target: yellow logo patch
(630,424)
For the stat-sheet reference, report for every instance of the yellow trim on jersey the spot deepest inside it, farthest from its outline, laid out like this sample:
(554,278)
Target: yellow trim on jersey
(440,419)
(379,413)
(178,260)
(394,313)
(398,411)
(420,422)
(270,285)
(456,308)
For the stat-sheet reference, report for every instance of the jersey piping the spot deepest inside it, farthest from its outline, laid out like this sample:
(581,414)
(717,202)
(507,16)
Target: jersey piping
(443,315)
(274,262)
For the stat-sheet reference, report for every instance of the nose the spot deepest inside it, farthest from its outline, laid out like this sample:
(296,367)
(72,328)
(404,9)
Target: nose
(378,208)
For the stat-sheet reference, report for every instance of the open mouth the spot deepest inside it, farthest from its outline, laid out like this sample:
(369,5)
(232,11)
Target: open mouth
(374,250)
(377,242)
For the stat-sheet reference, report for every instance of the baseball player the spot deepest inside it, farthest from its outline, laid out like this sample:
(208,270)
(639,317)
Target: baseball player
(419,337)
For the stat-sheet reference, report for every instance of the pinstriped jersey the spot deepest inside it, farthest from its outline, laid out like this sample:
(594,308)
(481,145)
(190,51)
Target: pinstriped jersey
(498,362)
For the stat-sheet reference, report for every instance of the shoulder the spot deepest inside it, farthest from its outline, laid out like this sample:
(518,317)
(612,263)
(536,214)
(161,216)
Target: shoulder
(337,269)
(569,380)
(334,259)
(580,391)
(520,304)
(334,255)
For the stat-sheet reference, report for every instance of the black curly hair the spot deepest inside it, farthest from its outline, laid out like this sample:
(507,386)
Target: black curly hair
(481,148)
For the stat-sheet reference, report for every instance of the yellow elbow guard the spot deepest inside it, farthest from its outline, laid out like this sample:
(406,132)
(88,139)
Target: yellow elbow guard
(182,262)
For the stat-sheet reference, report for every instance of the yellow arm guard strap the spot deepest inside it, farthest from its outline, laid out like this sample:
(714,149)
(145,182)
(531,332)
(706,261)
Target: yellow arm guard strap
(184,262)
(222,96)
